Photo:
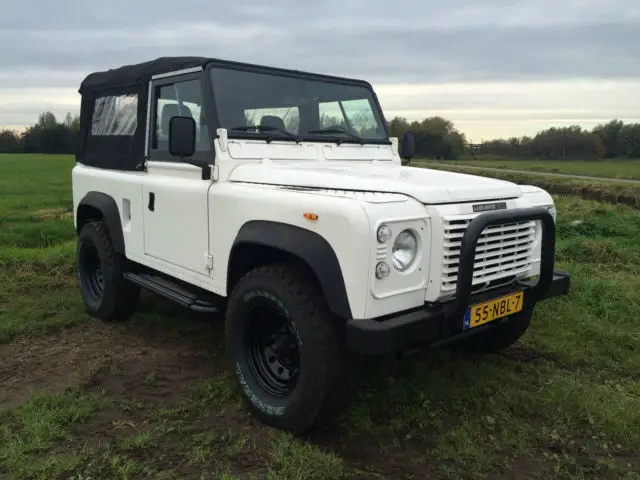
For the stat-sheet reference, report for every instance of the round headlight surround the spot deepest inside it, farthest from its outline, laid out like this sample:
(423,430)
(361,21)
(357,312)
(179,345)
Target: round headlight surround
(405,250)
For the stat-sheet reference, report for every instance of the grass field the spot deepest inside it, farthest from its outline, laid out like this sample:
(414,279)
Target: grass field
(629,169)
(151,398)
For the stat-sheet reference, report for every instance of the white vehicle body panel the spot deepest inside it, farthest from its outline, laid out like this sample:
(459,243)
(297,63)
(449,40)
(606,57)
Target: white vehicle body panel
(349,167)
(180,216)
(351,198)
(353,189)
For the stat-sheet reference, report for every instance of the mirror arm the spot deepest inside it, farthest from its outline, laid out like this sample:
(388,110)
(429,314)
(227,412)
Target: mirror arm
(202,164)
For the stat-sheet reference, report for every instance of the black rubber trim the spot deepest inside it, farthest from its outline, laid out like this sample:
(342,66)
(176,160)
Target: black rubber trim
(560,285)
(308,246)
(431,327)
(109,209)
(172,291)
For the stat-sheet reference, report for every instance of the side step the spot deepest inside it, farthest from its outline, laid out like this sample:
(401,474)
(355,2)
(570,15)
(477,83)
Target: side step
(172,291)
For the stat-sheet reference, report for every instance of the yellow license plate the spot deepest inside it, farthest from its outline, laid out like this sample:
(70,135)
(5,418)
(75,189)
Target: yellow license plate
(486,312)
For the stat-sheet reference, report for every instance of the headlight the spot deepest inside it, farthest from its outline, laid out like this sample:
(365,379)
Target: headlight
(404,250)
(384,234)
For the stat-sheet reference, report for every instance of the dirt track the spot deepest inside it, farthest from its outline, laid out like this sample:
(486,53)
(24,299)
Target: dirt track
(153,371)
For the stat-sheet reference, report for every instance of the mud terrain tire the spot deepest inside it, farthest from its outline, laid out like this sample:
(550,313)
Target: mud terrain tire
(105,292)
(296,378)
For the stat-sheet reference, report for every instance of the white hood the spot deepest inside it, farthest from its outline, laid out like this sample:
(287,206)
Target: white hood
(425,185)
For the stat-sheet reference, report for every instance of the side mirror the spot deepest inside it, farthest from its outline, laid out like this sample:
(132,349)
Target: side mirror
(407,148)
(182,136)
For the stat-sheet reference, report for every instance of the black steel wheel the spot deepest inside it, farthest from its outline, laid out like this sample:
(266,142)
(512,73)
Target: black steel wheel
(287,349)
(99,272)
(90,270)
(272,350)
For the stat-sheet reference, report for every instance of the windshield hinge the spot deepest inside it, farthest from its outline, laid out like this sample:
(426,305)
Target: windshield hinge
(215,173)
(208,261)
(222,138)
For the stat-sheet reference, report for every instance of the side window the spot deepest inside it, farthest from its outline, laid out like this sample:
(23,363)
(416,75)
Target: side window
(179,99)
(115,115)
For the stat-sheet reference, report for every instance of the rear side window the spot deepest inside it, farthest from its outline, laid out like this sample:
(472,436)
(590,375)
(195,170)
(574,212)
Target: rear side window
(115,115)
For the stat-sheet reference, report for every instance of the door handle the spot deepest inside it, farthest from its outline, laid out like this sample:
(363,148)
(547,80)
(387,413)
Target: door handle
(152,201)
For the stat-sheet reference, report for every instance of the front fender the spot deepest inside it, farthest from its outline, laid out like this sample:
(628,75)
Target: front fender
(308,246)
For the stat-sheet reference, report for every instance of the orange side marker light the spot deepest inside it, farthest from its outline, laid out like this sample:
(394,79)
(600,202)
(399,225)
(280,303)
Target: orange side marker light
(310,216)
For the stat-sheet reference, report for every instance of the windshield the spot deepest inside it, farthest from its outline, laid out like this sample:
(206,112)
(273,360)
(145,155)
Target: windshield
(294,108)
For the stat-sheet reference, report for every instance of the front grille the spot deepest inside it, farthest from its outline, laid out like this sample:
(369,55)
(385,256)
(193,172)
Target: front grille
(503,252)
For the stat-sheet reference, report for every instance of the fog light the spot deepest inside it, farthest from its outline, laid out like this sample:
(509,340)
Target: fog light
(382,270)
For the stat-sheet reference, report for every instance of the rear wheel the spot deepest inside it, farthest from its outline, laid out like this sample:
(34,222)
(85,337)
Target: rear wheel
(286,349)
(500,336)
(105,292)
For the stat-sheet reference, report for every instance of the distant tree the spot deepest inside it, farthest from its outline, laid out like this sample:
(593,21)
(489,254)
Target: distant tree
(10,142)
(47,135)
(397,126)
(598,145)
(610,140)
(435,137)
(628,141)
(609,134)
(47,120)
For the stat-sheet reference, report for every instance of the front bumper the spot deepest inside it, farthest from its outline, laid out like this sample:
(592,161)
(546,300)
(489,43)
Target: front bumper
(443,323)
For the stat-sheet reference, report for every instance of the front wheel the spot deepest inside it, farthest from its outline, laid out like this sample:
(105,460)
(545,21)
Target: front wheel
(286,349)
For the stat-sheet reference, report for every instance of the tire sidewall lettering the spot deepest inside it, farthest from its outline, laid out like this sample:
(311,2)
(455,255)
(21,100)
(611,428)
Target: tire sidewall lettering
(276,410)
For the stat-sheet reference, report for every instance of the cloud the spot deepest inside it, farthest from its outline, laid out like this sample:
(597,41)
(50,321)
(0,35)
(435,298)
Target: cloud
(44,44)
(416,41)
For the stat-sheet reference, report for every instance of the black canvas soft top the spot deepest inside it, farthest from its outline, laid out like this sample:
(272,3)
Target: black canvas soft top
(113,112)
(137,74)
(113,109)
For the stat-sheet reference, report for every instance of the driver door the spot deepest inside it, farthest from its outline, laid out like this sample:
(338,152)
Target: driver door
(176,229)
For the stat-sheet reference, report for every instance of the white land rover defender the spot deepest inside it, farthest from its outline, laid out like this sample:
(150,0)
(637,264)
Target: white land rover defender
(278,198)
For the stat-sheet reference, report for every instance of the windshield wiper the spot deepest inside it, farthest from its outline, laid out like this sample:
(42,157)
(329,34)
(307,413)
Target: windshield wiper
(268,128)
(330,130)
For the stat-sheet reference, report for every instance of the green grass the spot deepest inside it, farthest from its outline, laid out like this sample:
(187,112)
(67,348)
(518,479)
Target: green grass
(629,169)
(563,403)
(37,427)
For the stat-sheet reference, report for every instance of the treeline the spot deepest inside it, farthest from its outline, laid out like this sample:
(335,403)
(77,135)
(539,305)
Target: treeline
(48,135)
(611,140)
(435,137)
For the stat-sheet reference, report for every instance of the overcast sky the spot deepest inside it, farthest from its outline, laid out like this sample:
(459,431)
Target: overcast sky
(496,68)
